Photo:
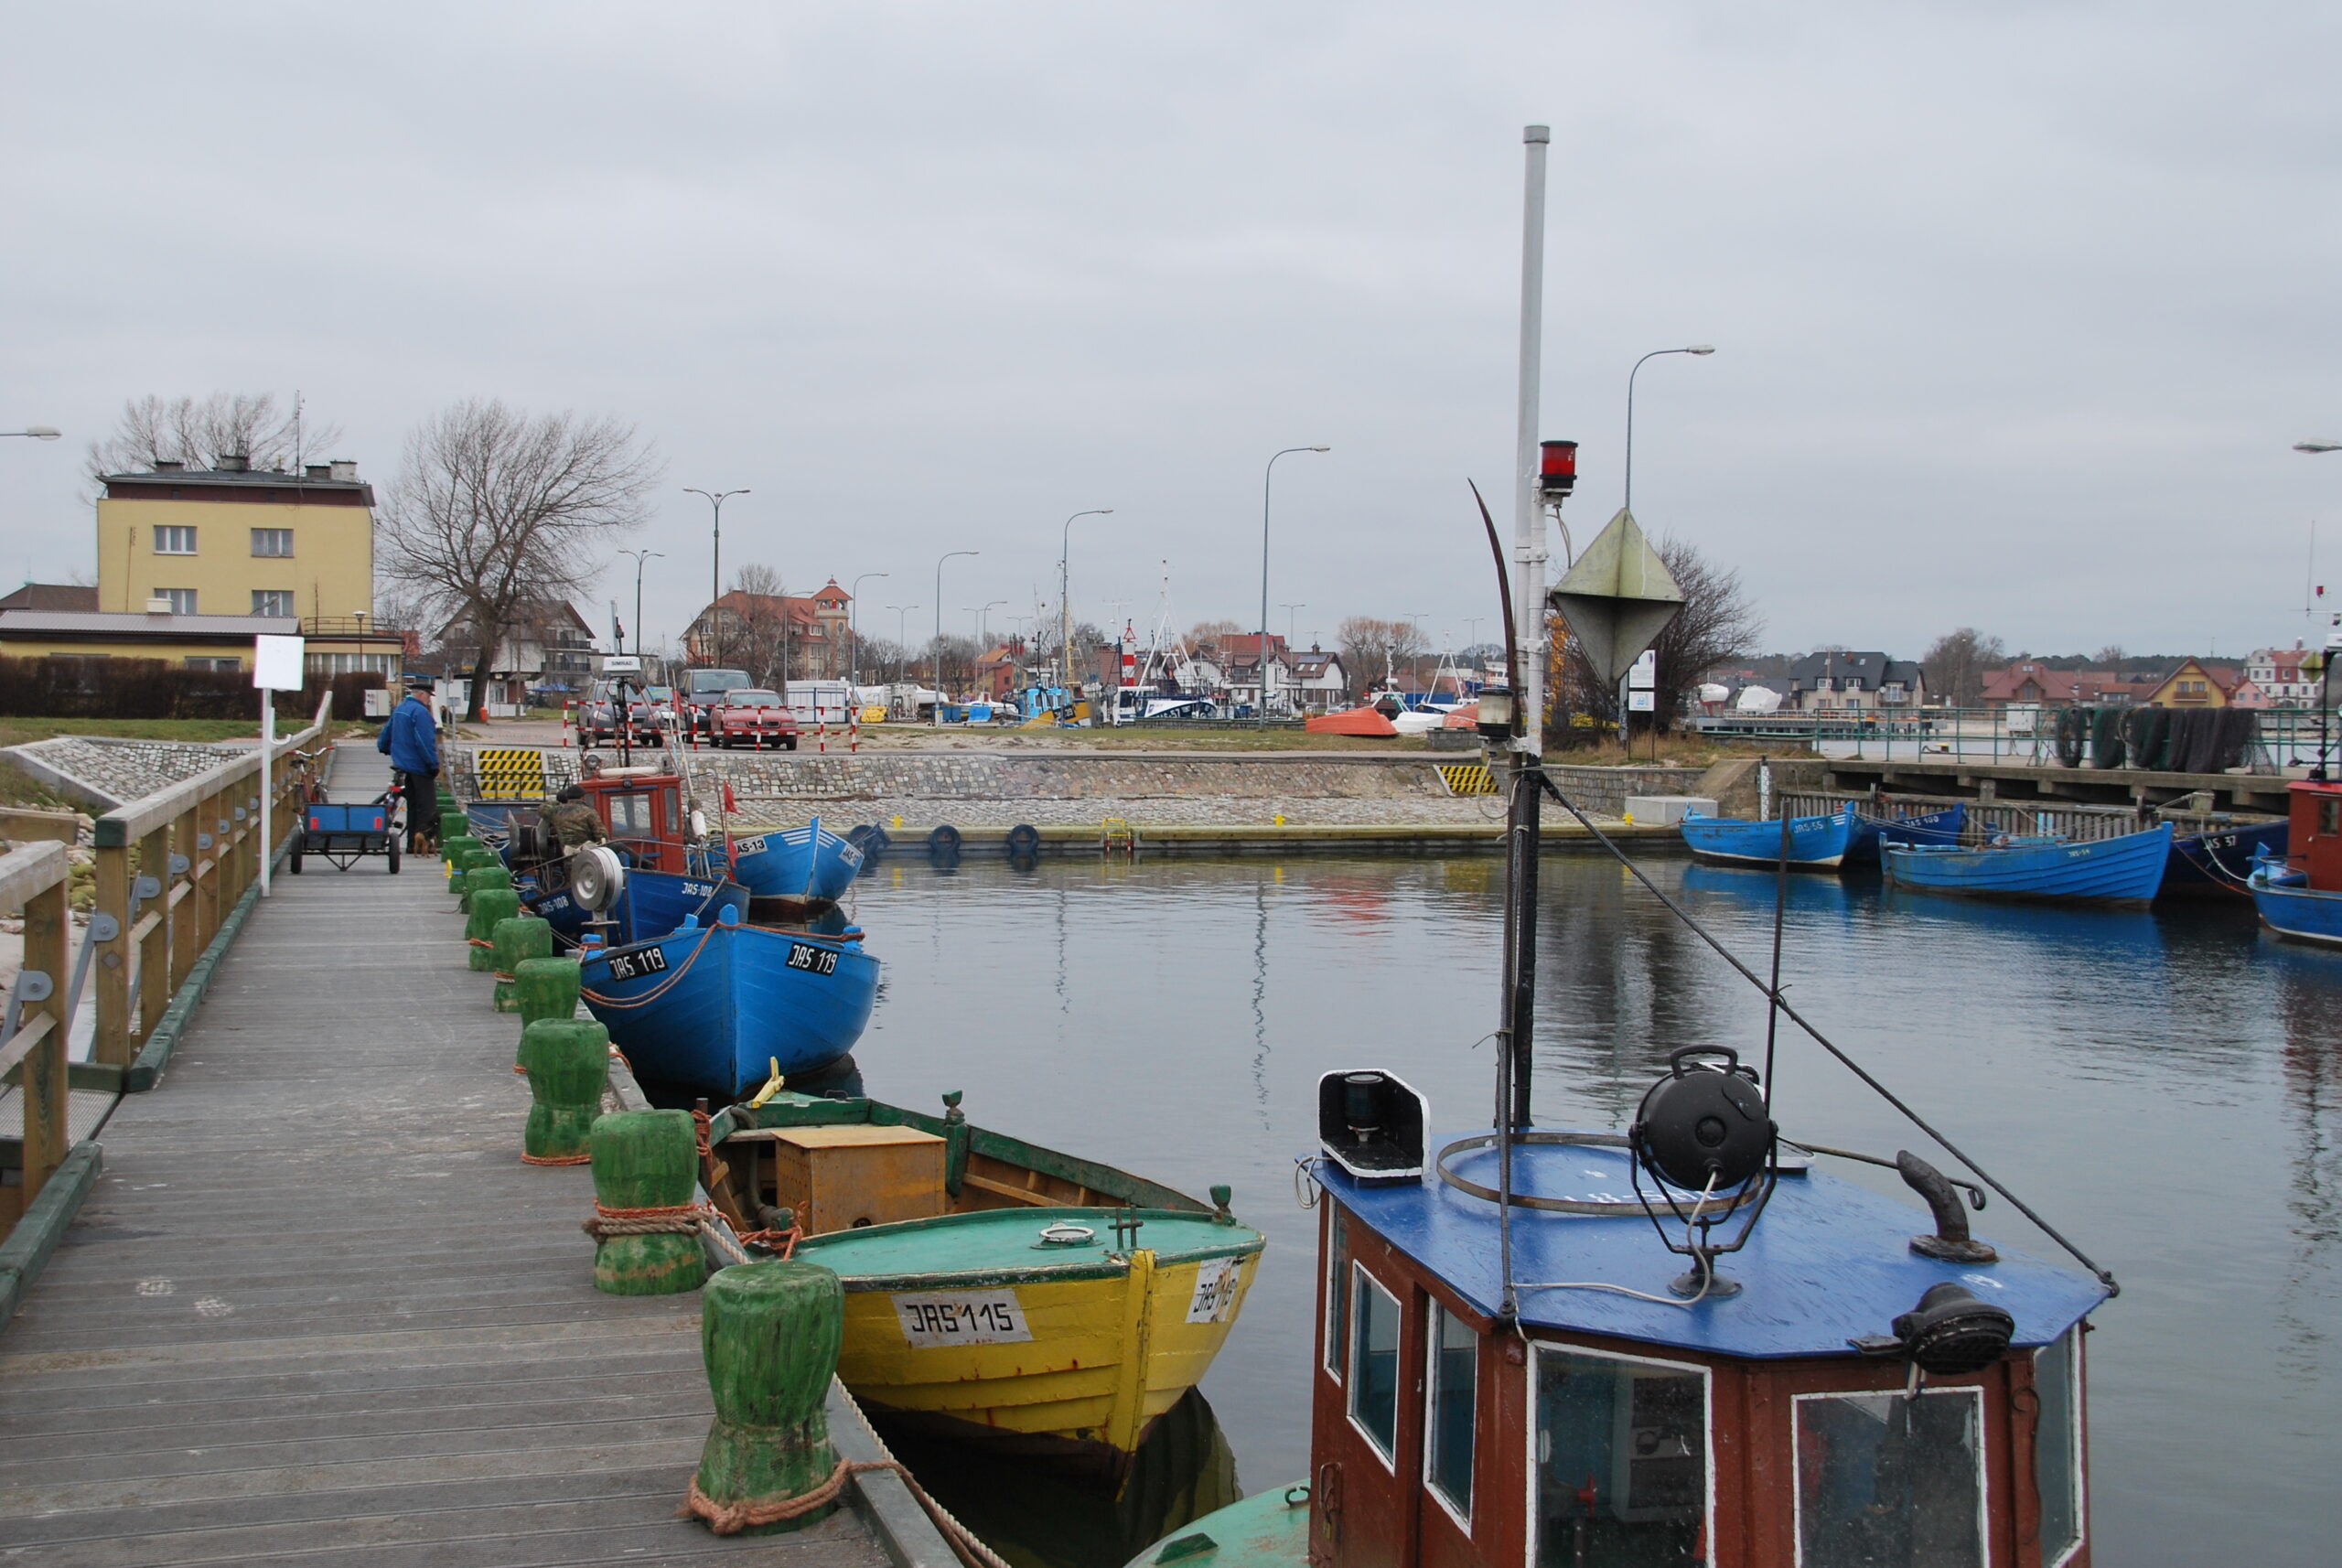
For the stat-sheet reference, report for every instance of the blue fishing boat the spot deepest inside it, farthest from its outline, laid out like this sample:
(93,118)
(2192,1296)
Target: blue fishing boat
(2219,861)
(806,867)
(711,1007)
(2300,896)
(1816,843)
(652,904)
(1873,833)
(2125,870)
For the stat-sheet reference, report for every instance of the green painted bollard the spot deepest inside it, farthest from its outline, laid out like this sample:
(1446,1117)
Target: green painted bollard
(769,1333)
(545,988)
(518,939)
(491,874)
(449,807)
(568,1064)
(490,905)
(646,1168)
(460,844)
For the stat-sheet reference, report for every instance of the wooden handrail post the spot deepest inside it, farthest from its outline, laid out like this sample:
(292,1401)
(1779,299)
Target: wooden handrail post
(46,949)
(185,898)
(154,947)
(112,1046)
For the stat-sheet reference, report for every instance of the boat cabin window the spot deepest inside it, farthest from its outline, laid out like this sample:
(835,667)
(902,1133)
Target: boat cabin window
(1374,1361)
(1338,1292)
(1622,1461)
(2330,816)
(631,816)
(1886,1481)
(2057,1445)
(1451,1394)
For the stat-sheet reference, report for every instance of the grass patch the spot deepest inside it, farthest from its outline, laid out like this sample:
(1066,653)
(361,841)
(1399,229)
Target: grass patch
(18,730)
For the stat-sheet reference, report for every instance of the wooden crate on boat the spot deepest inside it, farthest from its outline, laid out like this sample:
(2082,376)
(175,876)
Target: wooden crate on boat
(834,1178)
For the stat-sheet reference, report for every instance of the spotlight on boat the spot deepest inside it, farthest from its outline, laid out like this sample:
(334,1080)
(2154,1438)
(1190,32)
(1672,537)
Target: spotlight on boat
(1704,1127)
(1496,713)
(1372,1124)
(1949,1333)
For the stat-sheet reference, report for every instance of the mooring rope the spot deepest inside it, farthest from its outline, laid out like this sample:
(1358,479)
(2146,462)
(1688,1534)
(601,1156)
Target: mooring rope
(730,1519)
(656,1219)
(661,989)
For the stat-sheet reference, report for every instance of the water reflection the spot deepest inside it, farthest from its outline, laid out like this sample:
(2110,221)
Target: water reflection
(2163,1084)
(1036,1516)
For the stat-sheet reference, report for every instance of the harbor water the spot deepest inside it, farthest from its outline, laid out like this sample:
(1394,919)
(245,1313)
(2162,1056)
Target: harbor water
(2162,1086)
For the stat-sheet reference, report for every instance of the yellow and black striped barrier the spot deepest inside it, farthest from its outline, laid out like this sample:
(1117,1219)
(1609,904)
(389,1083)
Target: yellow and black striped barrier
(1467,779)
(510,772)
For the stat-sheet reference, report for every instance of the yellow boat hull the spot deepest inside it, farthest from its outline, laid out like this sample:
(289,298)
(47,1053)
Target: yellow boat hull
(1104,1357)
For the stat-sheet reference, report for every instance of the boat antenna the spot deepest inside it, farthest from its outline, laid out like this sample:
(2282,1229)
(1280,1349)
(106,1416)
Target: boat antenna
(1509,1304)
(1844,1060)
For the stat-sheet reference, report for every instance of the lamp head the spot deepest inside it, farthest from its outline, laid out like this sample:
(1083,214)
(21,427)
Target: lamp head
(1701,348)
(43,432)
(1321,448)
(2317,446)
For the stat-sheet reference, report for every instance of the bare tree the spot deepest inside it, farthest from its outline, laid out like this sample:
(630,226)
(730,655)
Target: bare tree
(1208,633)
(1716,624)
(1373,648)
(494,508)
(755,635)
(1957,663)
(199,431)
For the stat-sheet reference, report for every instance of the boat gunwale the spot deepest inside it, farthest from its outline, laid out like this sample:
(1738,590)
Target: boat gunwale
(1108,1265)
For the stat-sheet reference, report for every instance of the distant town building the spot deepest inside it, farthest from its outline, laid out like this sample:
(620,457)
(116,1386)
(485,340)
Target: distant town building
(50,596)
(2031,683)
(549,648)
(809,634)
(1843,681)
(2195,684)
(2275,673)
(1318,679)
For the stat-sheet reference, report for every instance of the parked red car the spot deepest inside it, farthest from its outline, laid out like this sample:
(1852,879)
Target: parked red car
(752,715)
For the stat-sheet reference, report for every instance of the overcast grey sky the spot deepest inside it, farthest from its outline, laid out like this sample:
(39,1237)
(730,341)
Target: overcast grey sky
(2017,307)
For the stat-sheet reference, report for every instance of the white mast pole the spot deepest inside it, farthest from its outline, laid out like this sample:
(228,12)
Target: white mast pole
(1528,520)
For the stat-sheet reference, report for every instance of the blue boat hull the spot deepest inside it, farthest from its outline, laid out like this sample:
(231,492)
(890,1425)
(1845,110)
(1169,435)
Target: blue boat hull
(2126,870)
(1872,834)
(2300,913)
(805,866)
(654,902)
(712,1008)
(2208,864)
(1816,843)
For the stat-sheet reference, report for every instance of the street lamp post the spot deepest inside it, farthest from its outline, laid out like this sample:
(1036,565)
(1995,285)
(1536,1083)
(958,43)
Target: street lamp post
(1701,349)
(938,661)
(1064,603)
(1268,474)
(854,622)
(640,557)
(1288,609)
(980,612)
(715,498)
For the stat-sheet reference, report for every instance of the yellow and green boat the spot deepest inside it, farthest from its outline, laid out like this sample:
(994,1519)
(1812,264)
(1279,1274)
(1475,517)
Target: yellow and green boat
(994,1289)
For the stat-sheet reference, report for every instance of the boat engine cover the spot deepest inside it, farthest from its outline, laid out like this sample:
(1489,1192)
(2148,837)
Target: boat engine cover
(1702,1122)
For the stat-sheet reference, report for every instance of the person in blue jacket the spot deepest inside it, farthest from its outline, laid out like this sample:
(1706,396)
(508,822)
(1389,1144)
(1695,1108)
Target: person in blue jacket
(412,740)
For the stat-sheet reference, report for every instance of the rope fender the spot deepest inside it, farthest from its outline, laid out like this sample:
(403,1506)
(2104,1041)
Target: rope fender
(659,1219)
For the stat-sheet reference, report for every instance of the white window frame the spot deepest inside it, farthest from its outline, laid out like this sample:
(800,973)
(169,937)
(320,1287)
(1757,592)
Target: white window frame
(175,528)
(2081,1447)
(1439,1313)
(1357,1349)
(1983,1461)
(284,554)
(1707,1426)
(288,595)
(1336,1259)
(172,594)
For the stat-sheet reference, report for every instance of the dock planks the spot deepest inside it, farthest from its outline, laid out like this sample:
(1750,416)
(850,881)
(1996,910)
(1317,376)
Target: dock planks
(316,1312)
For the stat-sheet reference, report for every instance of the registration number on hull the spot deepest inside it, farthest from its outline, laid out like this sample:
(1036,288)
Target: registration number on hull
(932,1319)
(634,965)
(1214,1297)
(812,959)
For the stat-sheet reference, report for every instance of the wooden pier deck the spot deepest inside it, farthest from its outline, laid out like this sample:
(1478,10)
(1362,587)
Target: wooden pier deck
(316,1312)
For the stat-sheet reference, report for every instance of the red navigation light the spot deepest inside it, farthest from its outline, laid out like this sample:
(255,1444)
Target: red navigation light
(1557,469)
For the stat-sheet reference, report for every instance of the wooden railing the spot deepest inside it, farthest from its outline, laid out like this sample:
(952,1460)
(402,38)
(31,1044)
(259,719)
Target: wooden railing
(170,869)
(35,877)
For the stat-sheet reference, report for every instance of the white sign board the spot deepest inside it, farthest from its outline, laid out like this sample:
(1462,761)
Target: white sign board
(1214,1297)
(1644,676)
(1640,702)
(276,662)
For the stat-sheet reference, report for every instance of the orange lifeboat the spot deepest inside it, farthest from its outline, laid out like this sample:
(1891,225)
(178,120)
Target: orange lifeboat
(1353,721)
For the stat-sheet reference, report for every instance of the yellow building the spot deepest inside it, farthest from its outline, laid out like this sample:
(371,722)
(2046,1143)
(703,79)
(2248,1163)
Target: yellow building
(235,552)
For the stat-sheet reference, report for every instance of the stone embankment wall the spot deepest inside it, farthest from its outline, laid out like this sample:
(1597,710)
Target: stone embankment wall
(108,773)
